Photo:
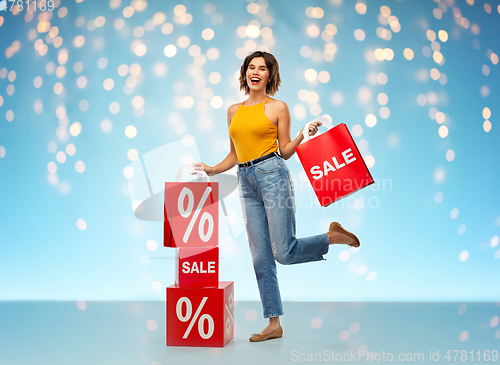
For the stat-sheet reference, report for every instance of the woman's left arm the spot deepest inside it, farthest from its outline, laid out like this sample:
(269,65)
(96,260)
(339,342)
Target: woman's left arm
(286,145)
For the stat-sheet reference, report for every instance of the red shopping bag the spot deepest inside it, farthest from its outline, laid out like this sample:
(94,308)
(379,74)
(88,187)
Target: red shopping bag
(332,163)
(191,212)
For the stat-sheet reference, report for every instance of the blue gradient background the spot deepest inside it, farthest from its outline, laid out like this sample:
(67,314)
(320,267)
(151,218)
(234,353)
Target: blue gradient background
(408,240)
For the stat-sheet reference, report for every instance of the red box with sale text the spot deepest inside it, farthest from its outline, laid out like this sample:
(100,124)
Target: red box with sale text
(191,214)
(333,165)
(197,267)
(202,317)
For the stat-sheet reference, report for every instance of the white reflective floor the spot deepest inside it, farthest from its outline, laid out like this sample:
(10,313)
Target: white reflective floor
(134,333)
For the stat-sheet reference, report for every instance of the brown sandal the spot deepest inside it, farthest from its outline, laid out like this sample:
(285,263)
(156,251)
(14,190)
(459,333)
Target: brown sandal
(336,227)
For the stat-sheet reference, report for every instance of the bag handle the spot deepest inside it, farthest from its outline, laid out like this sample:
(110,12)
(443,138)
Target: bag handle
(200,173)
(305,130)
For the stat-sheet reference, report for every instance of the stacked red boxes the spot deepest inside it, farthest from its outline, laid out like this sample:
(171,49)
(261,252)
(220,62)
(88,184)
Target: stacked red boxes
(200,309)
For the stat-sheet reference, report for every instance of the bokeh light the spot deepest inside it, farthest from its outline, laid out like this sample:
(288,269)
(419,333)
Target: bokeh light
(486,113)
(71,149)
(450,155)
(313,31)
(130,131)
(443,131)
(208,34)
(311,75)
(75,129)
(361,7)
(371,120)
(80,166)
(463,256)
(408,54)
(170,50)
(81,224)
(359,34)
(106,125)
(487,126)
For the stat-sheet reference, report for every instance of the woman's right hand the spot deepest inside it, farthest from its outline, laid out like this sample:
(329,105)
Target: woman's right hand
(200,166)
(313,127)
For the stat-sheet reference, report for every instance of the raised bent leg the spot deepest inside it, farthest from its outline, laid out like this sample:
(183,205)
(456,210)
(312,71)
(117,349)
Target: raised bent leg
(279,202)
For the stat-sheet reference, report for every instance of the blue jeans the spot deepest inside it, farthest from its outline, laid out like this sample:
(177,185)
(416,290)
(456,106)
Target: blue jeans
(268,205)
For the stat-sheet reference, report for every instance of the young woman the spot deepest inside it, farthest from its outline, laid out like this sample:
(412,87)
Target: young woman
(265,185)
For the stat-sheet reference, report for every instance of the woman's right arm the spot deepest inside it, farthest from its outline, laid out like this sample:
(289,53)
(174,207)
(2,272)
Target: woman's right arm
(231,160)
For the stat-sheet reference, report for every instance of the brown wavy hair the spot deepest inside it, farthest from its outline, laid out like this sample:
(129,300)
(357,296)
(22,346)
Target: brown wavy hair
(271,64)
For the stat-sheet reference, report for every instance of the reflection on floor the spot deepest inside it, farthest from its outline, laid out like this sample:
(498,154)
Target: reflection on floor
(134,333)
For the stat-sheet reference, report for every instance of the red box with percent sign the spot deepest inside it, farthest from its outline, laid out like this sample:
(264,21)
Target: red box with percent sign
(200,317)
(197,267)
(191,214)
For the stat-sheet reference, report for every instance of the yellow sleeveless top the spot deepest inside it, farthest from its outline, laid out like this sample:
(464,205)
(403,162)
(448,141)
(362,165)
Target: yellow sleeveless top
(252,133)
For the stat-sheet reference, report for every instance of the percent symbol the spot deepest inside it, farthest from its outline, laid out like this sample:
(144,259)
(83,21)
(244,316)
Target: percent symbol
(228,309)
(187,212)
(189,310)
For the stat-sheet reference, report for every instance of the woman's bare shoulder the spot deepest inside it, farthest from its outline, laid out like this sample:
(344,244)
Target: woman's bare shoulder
(231,111)
(277,104)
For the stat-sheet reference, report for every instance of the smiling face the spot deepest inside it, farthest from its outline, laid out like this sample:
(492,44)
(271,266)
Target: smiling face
(257,74)
(260,72)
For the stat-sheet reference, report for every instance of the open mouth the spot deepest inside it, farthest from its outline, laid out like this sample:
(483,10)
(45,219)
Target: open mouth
(254,80)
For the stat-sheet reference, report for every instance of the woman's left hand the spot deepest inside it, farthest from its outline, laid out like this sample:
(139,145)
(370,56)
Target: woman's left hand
(313,128)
